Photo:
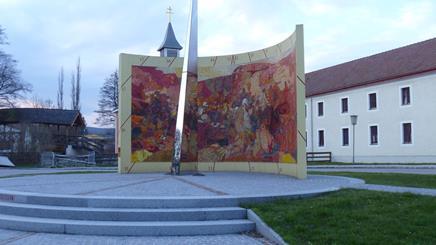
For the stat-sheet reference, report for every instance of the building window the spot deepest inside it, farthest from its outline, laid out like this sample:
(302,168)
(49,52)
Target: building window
(321,142)
(372,98)
(172,53)
(345,137)
(407,133)
(320,109)
(344,105)
(373,135)
(405,96)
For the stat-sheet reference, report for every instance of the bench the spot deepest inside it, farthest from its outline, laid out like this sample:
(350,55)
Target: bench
(319,156)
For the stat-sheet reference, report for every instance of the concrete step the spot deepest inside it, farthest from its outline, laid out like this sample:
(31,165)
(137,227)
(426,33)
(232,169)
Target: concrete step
(123,228)
(121,202)
(122,214)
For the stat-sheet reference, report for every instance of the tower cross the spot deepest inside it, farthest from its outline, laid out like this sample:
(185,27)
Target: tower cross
(169,13)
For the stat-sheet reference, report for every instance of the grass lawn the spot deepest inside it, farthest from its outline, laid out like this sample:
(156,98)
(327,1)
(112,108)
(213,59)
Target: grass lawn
(353,217)
(398,179)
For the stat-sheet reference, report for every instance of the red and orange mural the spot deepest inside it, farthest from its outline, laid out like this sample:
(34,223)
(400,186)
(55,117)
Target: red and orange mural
(247,115)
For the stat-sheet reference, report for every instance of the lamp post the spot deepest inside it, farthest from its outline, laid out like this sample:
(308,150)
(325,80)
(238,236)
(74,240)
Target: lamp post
(353,122)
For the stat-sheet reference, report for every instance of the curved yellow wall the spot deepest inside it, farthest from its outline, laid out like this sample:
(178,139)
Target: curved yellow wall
(245,112)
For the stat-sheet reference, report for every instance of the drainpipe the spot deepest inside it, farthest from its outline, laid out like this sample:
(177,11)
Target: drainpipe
(311,124)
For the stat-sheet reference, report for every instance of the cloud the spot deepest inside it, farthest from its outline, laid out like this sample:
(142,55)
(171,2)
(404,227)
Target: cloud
(91,119)
(217,44)
(415,14)
(45,35)
(314,7)
(24,103)
(228,27)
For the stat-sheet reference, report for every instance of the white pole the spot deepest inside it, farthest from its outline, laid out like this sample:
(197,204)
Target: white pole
(189,70)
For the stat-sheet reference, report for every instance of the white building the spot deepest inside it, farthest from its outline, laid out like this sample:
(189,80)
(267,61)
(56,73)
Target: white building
(394,96)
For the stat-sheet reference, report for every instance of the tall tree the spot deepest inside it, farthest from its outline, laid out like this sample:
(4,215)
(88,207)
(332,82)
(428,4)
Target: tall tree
(108,101)
(78,78)
(11,85)
(75,87)
(73,92)
(60,98)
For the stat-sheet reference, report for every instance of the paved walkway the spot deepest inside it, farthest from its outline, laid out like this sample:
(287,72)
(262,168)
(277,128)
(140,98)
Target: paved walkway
(10,237)
(377,168)
(407,169)
(398,189)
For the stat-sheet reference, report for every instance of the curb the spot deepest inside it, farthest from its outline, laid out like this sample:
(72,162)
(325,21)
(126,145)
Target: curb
(263,229)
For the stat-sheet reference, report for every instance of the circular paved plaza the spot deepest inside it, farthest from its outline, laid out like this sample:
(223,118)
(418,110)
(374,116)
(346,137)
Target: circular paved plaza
(162,185)
(94,204)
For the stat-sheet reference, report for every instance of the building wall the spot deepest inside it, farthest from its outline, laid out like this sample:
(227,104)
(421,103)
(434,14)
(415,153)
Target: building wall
(389,117)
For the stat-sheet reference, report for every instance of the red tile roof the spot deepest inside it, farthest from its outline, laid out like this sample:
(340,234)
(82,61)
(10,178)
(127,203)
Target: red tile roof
(405,61)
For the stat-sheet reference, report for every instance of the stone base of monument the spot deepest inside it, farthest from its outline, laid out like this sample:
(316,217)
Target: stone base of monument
(147,204)
(122,217)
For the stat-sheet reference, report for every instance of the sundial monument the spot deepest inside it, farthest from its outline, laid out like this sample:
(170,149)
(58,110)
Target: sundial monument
(241,112)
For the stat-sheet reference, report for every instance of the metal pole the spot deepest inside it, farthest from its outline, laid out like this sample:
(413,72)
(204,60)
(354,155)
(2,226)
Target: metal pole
(189,71)
(353,142)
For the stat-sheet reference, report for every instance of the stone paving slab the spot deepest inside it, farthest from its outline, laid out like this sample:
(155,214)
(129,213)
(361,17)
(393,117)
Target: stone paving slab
(6,235)
(14,171)
(164,186)
(72,183)
(146,185)
(25,238)
(398,189)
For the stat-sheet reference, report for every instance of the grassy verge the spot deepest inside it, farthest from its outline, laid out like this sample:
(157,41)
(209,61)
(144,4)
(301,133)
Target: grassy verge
(58,173)
(353,217)
(397,179)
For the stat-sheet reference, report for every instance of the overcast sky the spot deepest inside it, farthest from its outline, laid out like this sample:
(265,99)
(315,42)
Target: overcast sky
(47,34)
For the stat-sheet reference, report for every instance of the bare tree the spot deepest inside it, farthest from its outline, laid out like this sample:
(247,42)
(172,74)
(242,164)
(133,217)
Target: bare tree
(73,92)
(60,98)
(11,85)
(108,101)
(2,36)
(38,102)
(75,87)
(78,78)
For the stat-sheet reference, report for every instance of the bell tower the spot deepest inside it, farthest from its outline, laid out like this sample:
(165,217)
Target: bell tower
(170,47)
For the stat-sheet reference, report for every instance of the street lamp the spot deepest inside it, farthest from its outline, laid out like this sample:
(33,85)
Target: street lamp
(353,122)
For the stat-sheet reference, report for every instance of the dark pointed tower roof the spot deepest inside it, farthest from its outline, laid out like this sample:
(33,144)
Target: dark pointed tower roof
(170,40)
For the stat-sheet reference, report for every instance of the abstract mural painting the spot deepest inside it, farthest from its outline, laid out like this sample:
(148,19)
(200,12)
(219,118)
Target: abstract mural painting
(155,92)
(248,114)
(154,104)
(243,112)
